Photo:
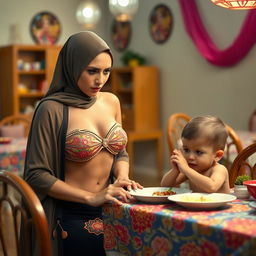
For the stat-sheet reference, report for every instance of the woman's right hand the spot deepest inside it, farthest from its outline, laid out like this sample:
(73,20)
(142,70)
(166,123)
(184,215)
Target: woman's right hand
(114,193)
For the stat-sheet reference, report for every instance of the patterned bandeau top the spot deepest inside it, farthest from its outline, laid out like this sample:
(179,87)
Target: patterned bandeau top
(83,145)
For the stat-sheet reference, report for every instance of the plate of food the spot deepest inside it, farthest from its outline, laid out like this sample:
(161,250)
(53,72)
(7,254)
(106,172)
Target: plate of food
(202,200)
(5,140)
(156,194)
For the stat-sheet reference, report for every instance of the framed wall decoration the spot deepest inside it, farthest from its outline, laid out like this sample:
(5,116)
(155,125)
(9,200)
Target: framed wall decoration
(121,34)
(160,23)
(45,28)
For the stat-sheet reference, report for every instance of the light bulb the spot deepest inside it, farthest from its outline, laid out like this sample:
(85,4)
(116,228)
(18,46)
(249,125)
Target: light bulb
(123,10)
(88,14)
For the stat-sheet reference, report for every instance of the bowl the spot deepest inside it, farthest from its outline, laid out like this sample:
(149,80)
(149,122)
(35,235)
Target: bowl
(251,186)
(241,191)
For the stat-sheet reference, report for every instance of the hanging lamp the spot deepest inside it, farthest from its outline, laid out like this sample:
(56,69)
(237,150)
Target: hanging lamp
(236,4)
(88,14)
(123,10)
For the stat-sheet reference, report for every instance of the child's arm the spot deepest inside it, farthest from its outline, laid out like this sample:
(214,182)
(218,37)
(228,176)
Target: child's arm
(173,177)
(210,184)
(203,183)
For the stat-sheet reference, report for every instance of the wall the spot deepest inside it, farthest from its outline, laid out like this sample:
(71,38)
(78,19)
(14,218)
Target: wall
(22,11)
(188,82)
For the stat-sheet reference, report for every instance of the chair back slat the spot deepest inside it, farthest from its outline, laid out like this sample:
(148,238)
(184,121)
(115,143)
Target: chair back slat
(243,164)
(175,124)
(18,119)
(19,205)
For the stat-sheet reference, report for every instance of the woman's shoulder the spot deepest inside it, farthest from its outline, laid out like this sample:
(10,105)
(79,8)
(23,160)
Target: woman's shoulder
(50,103)
(50,107)
(110,97)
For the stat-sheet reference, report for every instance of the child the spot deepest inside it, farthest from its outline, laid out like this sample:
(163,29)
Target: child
(203,143)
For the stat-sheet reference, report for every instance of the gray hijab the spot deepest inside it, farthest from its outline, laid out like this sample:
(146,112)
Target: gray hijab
(79,50)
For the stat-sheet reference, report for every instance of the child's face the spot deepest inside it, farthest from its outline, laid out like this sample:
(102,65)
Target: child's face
(199,154)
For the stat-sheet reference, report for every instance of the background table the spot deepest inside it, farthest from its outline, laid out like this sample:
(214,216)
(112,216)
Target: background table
(147,230)
(247,138)
(12,155)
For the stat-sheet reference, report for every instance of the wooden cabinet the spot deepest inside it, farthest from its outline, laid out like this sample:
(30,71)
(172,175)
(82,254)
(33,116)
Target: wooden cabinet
(25,74)
(138,91)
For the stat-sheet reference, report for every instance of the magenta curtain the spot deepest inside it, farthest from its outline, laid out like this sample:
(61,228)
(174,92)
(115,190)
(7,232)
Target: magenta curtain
(227,57)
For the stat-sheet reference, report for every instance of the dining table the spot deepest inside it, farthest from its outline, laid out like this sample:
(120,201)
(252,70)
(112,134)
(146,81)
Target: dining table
(12,155)
(147,229)
(246,138)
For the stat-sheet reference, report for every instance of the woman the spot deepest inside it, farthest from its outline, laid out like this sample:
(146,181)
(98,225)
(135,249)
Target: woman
(76,146)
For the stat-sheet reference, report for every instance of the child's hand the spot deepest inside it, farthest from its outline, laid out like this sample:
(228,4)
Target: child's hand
(173,164)
(179,161)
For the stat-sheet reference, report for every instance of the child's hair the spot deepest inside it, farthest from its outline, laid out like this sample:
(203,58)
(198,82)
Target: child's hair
(210,127)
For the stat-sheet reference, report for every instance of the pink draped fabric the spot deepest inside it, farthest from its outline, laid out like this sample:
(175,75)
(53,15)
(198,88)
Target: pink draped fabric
(231,55)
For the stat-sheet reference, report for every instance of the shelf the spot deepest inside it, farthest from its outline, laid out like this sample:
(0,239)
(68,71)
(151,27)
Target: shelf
(25,66)
(138,92)
(31,72)
(31,95)
(125,90)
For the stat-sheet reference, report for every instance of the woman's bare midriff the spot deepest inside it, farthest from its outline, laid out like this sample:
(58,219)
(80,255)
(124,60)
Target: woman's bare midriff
(92,175)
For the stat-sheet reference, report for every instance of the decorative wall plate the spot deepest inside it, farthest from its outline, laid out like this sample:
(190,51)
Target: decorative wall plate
(160,23)
(45,28)
(121,34)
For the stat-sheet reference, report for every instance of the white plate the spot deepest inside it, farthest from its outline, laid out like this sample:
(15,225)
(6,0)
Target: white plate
(146,194)
(194,200)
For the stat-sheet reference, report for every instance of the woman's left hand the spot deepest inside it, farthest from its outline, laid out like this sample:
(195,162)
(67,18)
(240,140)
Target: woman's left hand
(128,183)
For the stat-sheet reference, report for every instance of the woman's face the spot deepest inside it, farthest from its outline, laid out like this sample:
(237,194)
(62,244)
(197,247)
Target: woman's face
(95,74)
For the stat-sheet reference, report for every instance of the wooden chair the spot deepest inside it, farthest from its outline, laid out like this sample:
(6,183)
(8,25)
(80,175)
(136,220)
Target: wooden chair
(15,120)
(243,164)
(175,124)
(233,147)
(15,190)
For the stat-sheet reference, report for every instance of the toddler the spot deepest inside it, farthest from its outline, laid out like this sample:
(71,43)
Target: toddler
(203,143)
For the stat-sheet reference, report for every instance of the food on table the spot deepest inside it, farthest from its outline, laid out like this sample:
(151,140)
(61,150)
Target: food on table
(164,193)
(201,199)
(5,140)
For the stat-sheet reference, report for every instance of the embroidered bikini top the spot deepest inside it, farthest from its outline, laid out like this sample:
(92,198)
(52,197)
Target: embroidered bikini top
(83,145)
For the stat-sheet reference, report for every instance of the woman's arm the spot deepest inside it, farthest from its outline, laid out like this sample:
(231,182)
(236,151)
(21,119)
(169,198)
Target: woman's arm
(64,191)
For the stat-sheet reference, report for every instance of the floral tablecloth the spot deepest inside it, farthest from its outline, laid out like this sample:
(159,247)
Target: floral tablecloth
(12,155)
(160,230)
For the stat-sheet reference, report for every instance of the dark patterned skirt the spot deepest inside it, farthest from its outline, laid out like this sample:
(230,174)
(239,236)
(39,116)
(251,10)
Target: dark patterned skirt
(84,227)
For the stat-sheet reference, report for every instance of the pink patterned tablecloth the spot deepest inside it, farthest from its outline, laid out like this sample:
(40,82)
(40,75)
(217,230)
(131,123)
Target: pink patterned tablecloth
(12,155)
